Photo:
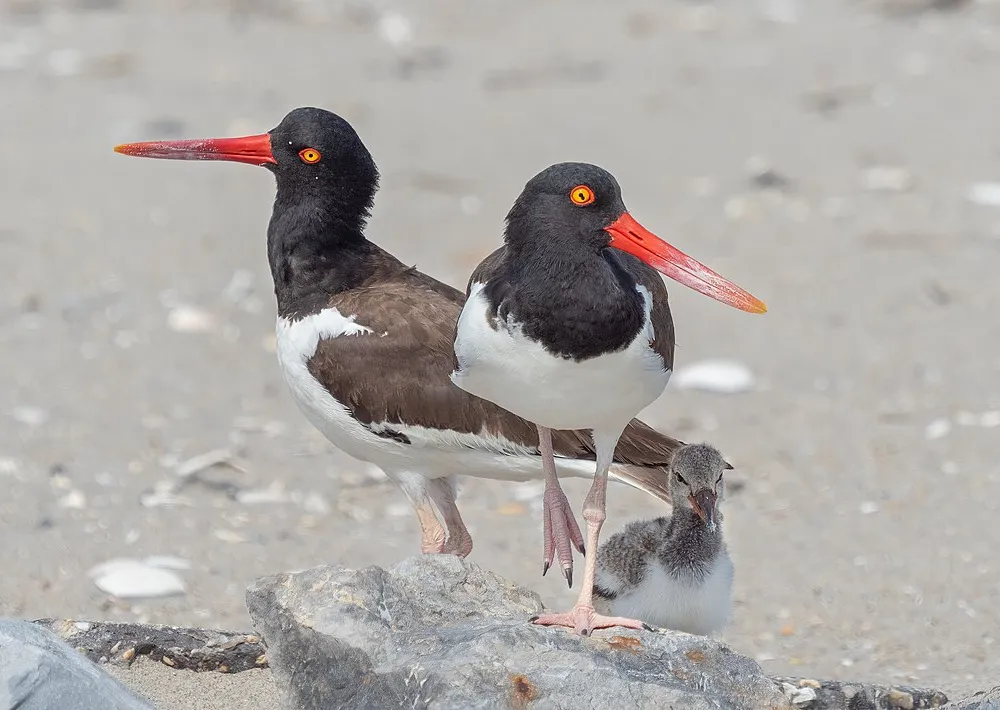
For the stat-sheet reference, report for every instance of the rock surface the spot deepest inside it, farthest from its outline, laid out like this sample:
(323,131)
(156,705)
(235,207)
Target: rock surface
(123,646)
(439,632)
(812,694)
(38,671)
(986,700)
(180,648)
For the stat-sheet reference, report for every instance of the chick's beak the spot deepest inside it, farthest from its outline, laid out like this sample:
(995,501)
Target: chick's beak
(704,504)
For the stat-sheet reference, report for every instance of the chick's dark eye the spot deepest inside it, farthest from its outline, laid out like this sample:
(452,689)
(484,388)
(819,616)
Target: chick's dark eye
(680,479)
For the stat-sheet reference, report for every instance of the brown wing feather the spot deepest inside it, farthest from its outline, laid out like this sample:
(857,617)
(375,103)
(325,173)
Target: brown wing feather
(402,377)
(487,268)
(642,456)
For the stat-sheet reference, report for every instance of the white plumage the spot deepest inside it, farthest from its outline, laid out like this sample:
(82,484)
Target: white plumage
(507,368)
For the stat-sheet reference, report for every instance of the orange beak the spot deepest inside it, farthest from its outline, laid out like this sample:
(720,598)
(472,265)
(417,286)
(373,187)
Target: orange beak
(253,150)
(630,236)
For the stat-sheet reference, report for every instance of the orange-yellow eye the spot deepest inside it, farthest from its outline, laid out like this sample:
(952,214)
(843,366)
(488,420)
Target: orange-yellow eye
(309,155)
(582,196)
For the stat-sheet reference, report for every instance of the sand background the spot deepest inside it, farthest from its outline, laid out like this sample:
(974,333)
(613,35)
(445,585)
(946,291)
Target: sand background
(863,524)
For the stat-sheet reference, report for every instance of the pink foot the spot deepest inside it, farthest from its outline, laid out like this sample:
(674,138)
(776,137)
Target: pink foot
(560,532)
(583,620)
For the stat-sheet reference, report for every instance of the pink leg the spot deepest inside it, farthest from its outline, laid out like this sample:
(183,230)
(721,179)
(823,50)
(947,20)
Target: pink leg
(559,527)
(442,492)
(417,489)
(432,533)
(583,618)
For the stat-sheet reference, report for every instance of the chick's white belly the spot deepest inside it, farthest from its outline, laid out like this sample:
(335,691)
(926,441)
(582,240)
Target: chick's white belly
(696,607)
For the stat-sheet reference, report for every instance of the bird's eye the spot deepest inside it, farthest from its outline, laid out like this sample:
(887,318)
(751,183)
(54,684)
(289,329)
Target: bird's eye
(680,478)
(581,195)
(310,155)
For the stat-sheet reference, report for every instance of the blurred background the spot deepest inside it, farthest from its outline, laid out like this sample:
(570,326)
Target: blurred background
(838,158)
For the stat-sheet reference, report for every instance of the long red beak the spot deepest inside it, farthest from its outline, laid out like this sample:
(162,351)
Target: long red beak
(253,150)
(630,236)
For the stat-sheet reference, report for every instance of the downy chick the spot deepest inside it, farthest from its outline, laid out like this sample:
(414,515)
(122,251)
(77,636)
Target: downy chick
(673,572)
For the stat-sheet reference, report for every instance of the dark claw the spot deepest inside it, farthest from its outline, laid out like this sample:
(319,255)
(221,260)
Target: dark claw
(545,568)
(568,574)
(582,549)
(647,627)
(533,619)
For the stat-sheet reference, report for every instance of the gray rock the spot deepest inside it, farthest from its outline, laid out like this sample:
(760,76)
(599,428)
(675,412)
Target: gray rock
(984,700)
(810,694)
(188,649)
(437,631)
(38,671)
(121,644)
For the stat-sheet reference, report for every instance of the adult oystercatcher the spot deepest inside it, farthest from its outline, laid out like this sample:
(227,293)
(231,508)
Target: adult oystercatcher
(568,326)
(365,342)
(674,572)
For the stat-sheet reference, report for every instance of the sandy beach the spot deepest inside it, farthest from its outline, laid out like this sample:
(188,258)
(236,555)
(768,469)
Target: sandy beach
(839,159)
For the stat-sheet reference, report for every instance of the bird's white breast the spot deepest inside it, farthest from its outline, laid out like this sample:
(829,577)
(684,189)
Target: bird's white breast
(504,366)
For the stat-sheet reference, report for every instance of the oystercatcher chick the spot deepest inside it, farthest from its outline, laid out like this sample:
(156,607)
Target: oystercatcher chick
(365,341)
(568,326)
(674,572)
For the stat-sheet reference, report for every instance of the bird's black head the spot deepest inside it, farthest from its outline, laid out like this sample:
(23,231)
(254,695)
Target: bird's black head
(566,202)
(573,206)
(317,157)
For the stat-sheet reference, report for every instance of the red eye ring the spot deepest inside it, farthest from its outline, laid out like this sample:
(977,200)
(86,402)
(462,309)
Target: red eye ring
(581,196)
(310,156)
